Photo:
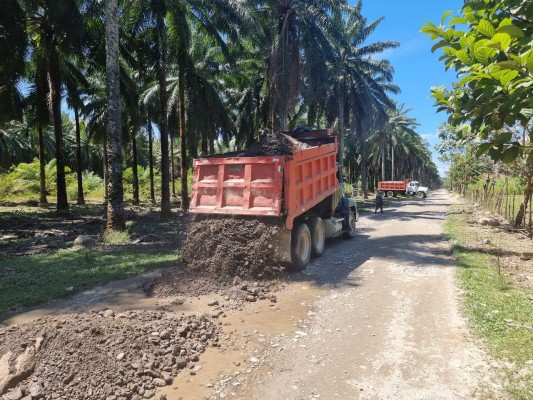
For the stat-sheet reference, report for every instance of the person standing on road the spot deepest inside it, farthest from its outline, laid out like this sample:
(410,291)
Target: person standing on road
(379,202)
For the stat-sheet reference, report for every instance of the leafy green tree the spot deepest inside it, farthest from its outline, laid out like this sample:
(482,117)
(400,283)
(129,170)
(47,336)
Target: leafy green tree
(490,45)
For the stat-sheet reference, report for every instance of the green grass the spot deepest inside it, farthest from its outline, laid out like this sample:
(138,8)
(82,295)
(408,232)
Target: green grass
(31,280)
(116,237)
(500,315)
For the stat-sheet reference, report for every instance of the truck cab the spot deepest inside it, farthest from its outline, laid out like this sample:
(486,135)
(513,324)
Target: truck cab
(414,189)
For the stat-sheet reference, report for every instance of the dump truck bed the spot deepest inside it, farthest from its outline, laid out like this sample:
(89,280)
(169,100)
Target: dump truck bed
(277,186)
(392,185)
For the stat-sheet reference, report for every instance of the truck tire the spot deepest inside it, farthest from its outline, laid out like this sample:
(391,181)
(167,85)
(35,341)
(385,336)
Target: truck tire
(318,236)
(390,193)
(300,247)
(352,231)
(421,195)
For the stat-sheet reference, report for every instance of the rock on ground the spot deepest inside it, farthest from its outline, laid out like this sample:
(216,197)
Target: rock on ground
(99,355)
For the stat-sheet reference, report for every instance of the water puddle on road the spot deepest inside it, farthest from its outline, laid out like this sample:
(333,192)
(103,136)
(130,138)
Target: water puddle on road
(242,331)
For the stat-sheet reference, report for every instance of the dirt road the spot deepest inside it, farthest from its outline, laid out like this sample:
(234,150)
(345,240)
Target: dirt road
(384,322)
(376,317)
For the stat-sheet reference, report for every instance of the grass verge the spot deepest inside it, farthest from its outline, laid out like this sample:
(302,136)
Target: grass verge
(501,316)
(31,280)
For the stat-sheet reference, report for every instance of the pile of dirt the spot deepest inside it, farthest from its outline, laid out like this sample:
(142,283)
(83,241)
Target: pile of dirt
(100,355)
(225,247)
(183,283)
(277,144)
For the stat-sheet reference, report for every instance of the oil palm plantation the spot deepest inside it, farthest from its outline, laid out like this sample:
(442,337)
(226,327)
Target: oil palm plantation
(217,20)
(398,145)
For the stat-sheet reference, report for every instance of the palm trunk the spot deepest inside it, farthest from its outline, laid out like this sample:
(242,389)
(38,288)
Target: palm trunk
(54,105)
(364,169)
(183,142)
(43,201)
(383,156)
(172,166)
(151,161)
(81,200)
(134,169)
(115,204)
(205,150)
(106,174)
(163,104)
(341,134)
(392,162)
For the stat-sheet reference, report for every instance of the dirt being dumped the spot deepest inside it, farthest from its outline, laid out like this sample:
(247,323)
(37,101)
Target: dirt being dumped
(229,247)
(100,355)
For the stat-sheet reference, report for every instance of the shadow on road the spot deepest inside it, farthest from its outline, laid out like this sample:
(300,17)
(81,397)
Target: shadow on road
(384,241)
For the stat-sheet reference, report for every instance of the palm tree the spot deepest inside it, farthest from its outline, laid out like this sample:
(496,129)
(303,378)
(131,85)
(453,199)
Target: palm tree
(300,31)
(76,85)
(216,19)
(115,207)
(13,45)
(359,82)
(398,140)
(37,111)
(58,26)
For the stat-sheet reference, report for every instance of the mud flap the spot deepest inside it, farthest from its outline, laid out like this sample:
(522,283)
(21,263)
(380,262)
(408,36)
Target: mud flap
(345,212)
(281,242)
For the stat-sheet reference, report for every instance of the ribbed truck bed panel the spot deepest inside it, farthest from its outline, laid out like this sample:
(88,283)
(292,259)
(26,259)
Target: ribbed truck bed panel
(392,185)
(265,186)
(240,185)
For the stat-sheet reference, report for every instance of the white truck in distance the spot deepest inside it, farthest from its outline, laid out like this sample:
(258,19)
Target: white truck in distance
(393,188)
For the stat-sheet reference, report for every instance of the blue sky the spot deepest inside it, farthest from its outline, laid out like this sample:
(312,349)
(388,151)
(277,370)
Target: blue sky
(416,68)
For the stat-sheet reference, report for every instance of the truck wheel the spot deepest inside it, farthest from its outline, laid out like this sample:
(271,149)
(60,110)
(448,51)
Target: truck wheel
(420,195)
(352,231)
(300,247)
(390,193)
(318,236)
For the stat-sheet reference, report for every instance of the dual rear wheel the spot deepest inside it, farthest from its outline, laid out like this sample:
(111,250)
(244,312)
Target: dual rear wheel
(308,239)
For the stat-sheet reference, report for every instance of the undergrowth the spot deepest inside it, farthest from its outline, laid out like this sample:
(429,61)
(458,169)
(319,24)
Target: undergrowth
(500,315)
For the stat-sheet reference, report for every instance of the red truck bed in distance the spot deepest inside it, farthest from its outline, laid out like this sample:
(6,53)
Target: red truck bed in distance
(392,185)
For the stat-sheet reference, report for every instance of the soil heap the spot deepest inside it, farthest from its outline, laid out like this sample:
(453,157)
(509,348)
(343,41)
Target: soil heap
(238,245)
(100,355)
(232,246)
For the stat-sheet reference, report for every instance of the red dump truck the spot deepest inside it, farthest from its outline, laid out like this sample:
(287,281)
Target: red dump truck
(300,190)
(407,186)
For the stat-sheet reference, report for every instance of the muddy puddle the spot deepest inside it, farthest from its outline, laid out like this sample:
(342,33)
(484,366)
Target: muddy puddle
(244,332)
